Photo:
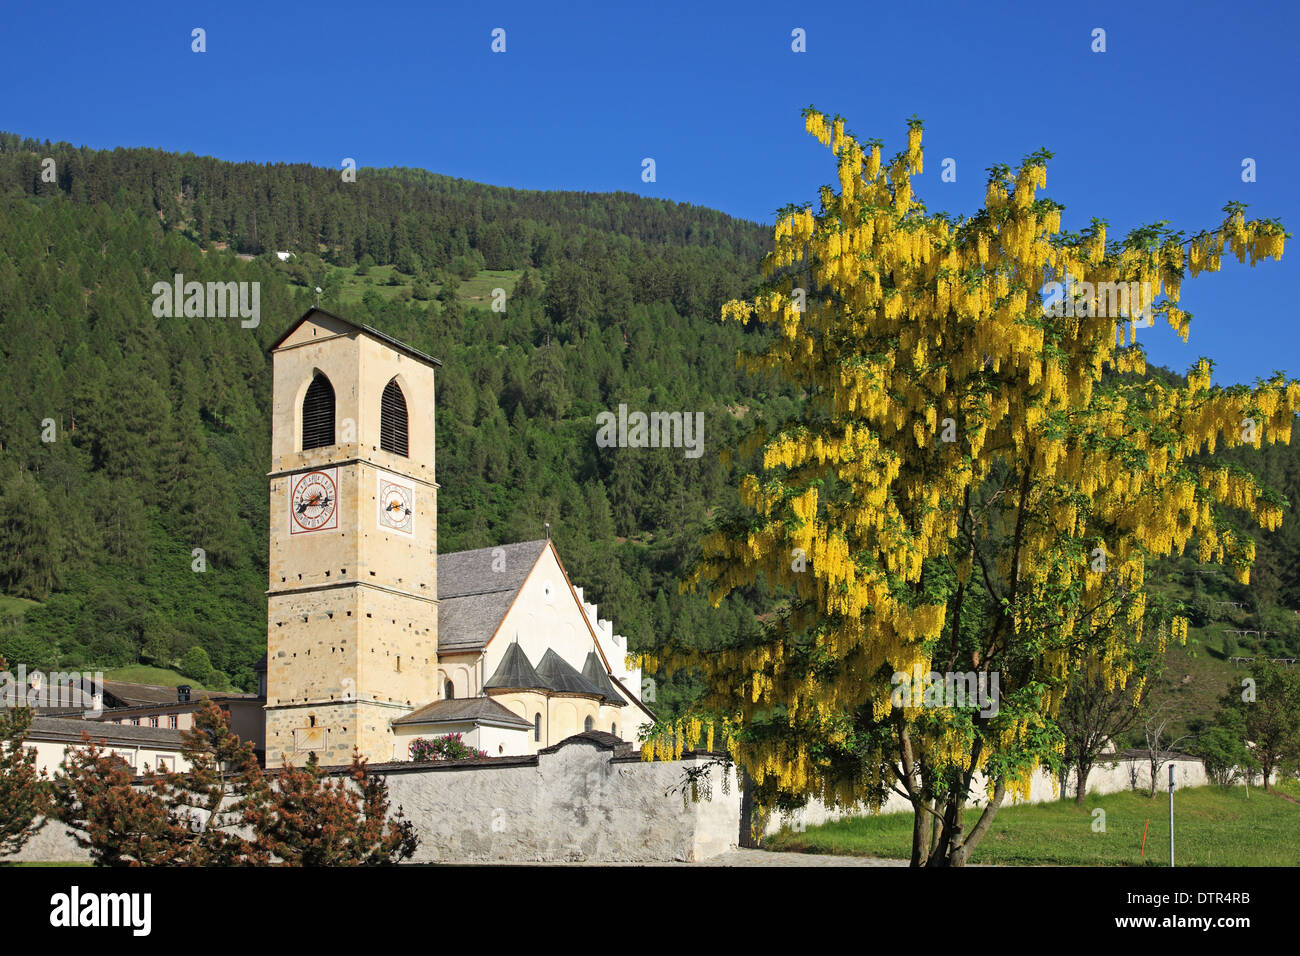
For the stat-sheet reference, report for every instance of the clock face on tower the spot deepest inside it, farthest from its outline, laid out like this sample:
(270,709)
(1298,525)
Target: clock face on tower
(396,505)
(314,501)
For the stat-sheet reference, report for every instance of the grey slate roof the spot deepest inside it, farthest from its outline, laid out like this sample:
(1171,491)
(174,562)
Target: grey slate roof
(140,695)
(473,598)
(515,672)
(465,710)
(561,677)
(594,672)
(68,729)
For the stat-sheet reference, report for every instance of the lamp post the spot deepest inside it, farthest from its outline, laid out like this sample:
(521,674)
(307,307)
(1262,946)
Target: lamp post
(1171,813)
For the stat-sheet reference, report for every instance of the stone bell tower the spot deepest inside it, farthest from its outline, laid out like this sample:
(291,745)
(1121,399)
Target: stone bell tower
(352,616)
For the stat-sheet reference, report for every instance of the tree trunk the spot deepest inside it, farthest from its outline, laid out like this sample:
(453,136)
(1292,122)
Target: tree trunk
(963,852)
(747,836)
(949,833)
(1081,789)
(919,852)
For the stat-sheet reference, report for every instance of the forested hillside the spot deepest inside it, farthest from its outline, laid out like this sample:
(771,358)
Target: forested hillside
(160,425)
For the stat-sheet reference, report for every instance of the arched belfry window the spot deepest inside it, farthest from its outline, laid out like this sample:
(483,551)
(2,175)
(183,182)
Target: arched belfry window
(392,420)
(587,724)
(318,414)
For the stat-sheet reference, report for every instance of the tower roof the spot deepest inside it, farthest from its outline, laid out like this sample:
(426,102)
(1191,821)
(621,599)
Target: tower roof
(594,672)
(562,678)
(365,329)
(515,672)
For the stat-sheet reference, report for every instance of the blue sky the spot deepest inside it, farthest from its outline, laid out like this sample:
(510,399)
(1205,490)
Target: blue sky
(1154,128)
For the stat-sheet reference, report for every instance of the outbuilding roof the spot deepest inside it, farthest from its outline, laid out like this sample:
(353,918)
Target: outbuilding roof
(466,710)
(70,729)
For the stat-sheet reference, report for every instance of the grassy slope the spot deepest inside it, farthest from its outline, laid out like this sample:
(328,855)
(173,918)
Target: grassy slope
(14,606)
(157,676)
(474,292)
(1213,826)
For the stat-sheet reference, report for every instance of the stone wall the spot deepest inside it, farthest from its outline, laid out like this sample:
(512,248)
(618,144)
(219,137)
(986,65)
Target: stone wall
(588,799)
(53,843)
(585,799)
(1109,776)
(580,800)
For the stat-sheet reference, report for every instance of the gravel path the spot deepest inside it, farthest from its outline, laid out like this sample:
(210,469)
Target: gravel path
(736,857)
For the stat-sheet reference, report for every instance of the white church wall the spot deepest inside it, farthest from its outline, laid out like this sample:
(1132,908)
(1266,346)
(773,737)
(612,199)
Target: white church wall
(504,741)
(543,616)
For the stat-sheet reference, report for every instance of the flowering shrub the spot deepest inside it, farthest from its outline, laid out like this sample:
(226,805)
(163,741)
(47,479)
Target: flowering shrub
(447,747)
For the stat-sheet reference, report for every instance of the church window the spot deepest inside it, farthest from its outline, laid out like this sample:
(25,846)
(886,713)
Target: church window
(392,420)
(537,727)
(613,729)
(318,414)
(449,691)
(587,724)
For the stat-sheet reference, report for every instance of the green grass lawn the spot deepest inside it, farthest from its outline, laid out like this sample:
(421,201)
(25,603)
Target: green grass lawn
(14,606)
(53,863)
(1213,826)
(478,290)
(158,676)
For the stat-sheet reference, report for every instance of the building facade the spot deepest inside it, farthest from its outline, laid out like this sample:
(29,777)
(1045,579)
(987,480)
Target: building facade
(366,649)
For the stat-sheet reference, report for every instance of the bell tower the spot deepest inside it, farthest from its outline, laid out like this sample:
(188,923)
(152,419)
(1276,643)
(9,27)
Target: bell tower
(352,616)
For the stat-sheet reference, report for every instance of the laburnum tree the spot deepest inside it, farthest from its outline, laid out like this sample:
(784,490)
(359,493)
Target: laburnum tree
(973,486)
(22,786)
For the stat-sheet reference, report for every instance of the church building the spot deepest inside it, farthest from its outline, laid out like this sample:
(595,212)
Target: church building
(374,639)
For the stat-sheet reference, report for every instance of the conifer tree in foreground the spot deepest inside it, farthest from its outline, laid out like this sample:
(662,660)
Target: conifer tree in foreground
(22,789)
(974,486)
(224,811)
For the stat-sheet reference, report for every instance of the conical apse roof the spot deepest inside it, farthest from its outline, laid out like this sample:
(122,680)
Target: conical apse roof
(560,676)
(594,672)
(515,672)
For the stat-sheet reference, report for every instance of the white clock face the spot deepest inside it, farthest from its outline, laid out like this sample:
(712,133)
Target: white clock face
(314,501)
(396,506)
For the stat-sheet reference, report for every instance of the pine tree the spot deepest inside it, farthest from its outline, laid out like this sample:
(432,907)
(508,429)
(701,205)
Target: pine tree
(312,820)
(23,790)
